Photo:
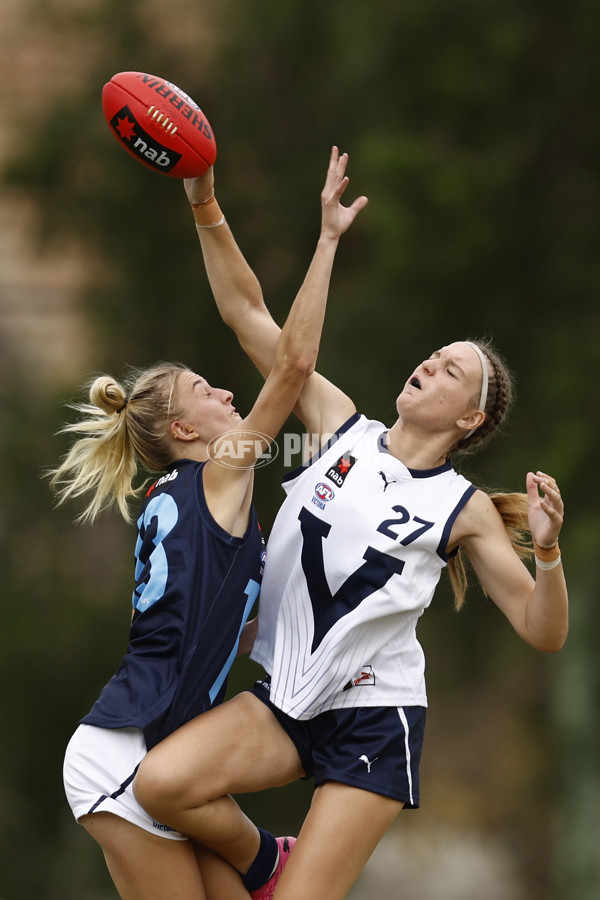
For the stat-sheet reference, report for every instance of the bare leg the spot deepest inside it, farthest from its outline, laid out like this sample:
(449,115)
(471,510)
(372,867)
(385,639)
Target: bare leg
(220,880)
(145,866)
(185,780)
(339,834)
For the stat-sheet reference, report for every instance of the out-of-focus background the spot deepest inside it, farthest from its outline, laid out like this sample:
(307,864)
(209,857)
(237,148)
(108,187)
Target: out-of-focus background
(473,127)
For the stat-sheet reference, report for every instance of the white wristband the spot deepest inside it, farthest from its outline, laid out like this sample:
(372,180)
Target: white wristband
(546,566)
(214,224)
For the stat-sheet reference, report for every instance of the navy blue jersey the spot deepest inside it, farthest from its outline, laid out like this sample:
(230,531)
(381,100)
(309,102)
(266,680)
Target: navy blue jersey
(195,586)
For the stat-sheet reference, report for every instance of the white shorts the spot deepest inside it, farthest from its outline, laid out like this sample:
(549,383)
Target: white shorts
(99,768)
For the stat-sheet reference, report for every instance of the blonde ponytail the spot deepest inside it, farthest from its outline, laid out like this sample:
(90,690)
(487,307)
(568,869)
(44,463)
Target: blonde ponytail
(513,510)
(121,427)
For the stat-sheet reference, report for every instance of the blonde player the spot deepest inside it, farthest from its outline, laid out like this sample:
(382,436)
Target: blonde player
(199,558)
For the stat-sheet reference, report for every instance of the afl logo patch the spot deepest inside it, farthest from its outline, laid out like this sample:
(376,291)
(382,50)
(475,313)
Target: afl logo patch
(323,493)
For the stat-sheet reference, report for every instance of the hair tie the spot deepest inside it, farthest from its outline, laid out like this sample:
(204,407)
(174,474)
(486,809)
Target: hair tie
(123,407)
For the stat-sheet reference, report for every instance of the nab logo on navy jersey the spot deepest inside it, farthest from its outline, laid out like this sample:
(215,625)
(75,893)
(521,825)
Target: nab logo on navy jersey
(339,471)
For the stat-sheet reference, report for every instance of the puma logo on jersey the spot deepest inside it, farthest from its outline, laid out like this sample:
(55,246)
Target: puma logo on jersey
(387,483)
(368,762)
(367,676)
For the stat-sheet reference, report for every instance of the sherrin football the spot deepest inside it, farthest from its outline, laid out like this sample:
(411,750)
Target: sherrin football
(158,124)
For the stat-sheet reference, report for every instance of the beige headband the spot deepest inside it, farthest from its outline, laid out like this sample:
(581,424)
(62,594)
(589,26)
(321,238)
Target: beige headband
(484,381)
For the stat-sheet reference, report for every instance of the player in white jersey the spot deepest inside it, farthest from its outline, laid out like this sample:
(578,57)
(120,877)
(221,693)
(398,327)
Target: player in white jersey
(343,597)
(352,562)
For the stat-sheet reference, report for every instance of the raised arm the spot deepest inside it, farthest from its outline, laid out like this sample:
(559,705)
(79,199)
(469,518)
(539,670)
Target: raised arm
(536,607)
(234,285)
(322,406)
(293,356)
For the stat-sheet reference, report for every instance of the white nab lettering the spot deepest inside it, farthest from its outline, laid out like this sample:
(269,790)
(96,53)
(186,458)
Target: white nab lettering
(160,159)
(171,476)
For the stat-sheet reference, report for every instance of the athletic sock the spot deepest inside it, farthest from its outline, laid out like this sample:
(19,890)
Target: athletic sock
(264,864)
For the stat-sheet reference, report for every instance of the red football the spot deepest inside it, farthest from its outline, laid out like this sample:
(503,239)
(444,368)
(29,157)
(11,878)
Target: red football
(159,124)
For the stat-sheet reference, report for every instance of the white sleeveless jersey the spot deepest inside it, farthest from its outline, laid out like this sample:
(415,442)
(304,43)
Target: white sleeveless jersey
(353,560)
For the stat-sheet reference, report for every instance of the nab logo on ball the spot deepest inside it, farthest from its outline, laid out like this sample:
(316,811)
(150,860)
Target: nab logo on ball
(158,124)
(129,131)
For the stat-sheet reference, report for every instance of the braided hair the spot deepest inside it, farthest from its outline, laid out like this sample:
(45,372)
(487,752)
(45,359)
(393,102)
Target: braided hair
(500,398)
(511,506)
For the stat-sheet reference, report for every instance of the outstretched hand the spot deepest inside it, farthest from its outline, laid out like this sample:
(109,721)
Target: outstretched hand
(335,218)
(200,188)
(546,509)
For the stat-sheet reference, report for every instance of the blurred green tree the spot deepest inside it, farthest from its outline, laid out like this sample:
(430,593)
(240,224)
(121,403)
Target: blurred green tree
(472,129)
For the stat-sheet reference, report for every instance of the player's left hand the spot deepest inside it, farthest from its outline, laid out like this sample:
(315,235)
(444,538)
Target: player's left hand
(546,508)
(335,218)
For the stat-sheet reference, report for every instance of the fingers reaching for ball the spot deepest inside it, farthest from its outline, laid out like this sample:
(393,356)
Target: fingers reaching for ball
(336,218)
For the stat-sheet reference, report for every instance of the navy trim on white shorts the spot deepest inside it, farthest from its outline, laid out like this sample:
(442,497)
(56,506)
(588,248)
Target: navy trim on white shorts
(115,794)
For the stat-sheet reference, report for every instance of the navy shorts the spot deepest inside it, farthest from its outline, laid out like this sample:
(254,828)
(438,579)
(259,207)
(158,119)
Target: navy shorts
(374,748)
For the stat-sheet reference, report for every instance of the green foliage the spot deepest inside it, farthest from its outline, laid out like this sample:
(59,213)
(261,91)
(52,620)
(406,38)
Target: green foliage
(472,128)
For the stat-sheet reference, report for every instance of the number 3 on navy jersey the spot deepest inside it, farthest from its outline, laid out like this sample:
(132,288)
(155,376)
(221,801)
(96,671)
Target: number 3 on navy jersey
(328,608)
(152,573)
